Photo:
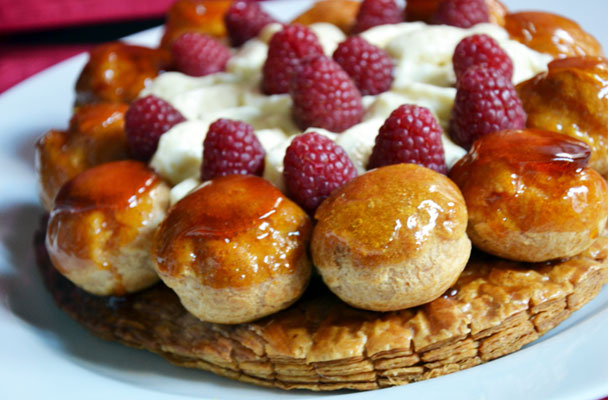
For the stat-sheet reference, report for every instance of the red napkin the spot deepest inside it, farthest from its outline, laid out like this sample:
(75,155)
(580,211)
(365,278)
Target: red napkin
(19,61)
(29,15)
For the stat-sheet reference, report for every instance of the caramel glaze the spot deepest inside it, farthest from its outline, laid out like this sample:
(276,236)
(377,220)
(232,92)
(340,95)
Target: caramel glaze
(202,16)
(423,10)
(572,98)
(117,72)
(96,135)
(422,206)
(233,231)
(341,13)
(97,212)
(531,181)
(552,34)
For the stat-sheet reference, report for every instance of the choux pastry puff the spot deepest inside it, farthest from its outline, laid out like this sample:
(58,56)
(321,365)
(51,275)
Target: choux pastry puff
(234,250)
(101,227)
(530,195)
(392,238)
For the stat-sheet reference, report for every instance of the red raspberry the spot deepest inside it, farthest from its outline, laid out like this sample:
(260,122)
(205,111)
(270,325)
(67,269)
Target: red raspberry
(410,134)
(231,148)
(377,12)
(324,96)
(145,121)
(244,20)
(196,54)
(369,66)
(461,13)
(484,51)
(314,166)
(285,50)
(486,102)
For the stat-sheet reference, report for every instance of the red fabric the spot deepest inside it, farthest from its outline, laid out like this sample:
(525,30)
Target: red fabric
(28,15)
(20,62)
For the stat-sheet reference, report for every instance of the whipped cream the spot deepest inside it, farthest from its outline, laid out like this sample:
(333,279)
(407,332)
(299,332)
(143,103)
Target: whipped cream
(423,75)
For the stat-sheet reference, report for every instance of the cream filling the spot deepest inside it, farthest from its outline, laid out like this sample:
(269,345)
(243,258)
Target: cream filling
(423,76)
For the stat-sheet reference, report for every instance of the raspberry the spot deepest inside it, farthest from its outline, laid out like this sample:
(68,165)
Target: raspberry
(461,13)
(145,121)
(412,135)
(231,148)
(486,101)
(484,51)
(324,96)
(244,20)
(377,12)
(314,166)
(369,66)
(196,54)
(285,50)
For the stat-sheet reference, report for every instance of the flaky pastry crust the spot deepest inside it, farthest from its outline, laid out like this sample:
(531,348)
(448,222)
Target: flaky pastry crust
(320,343)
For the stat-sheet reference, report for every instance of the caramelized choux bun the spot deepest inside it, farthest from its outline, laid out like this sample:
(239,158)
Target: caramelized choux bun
(201,16)
(96,136)
(117,72)
(392,238)
(530,196)
(551,34)
(234,250)
(570,98)
(100,231)
(341,13)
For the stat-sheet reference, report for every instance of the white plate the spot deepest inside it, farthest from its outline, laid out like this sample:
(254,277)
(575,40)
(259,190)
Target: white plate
(44,353)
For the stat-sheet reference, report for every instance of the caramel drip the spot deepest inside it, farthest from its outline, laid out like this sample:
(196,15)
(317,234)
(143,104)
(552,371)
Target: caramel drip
(115,186)
(422,206)
(551,33)
(202,16)
(536,149)
(232,231)
(532,181)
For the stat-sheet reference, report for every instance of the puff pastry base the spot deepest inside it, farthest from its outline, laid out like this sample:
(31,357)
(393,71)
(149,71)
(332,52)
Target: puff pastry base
(320,343)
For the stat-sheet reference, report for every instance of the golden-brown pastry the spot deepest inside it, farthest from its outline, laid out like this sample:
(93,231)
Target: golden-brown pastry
(234,250)
(552,34)
(423,10)
(100,231)
(530,196)
(341,13)
(117,72)
(96,135)
(202,16)
(570,98)
(392,238)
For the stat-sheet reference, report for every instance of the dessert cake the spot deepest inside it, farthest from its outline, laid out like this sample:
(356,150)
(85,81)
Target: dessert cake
(368,196)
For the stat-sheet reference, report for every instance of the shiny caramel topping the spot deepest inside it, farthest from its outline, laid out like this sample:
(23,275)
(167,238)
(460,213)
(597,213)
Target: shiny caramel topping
(117,72)
(117,185)
(233,231)
(531,148)
(530,181)
(96,136)
(215,209)
(99,117)
(97,215)
(392,212)
(551,34)
(572,98)
(202,16)
(595,65)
